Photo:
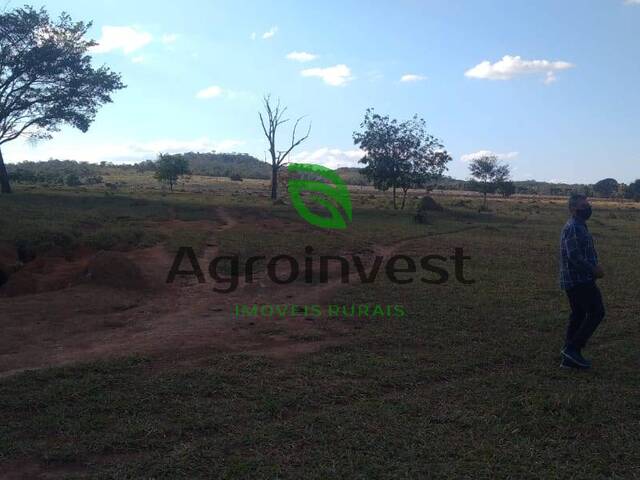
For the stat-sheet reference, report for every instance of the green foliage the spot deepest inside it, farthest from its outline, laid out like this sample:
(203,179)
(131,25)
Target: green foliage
(47,77)
(72,180)
(55,172)
(606,188)
(506,189)
(399,154)
(633,191)
(170,168)
(488,174)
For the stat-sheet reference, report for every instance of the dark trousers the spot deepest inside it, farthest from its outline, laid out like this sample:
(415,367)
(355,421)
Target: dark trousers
(587,311)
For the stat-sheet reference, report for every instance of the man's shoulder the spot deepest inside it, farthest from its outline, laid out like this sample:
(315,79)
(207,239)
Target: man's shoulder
(573,224)
(569,225)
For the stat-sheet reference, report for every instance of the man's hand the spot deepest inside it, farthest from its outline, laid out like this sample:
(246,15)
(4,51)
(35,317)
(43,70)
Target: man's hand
(598,272)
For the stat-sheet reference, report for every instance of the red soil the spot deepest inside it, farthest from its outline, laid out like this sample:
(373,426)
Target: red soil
(57,311)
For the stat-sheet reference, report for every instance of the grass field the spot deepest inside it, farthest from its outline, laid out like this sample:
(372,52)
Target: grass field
(465,385)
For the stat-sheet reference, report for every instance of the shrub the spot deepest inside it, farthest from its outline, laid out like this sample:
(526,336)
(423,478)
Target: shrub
(72,180)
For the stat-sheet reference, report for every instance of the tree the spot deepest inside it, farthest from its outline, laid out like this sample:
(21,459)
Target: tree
(399,155)
(606,188)
(633,191)
(506,189)
(72,180)
(169,169)
(489,174)
(274,119)
(422,170)
(46,78)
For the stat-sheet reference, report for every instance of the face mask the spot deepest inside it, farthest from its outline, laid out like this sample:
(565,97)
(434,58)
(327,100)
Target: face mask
(584,213)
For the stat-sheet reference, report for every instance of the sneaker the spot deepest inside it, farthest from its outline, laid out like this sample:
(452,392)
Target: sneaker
(576,357)
(569,364)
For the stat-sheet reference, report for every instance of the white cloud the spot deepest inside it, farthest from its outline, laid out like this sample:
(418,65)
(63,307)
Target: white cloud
(270,33)
(335,76)
(209,92)
(138,59)
(214,91)
(469,157)
(512,66)
(169,38)
(412,77)
(127,39)
(88,150)
(253,35)
(301,56)
(632,2)
(330,157)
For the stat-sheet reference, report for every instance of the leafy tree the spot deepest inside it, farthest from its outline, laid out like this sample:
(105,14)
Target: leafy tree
(170,168)
(606,188)
(506,189)
(72,180)
(633,191)
(46,77)
(489,174)
(274,119)
(423,170)
(399,154)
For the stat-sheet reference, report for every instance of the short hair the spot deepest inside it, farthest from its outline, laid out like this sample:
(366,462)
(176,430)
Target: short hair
(575,198)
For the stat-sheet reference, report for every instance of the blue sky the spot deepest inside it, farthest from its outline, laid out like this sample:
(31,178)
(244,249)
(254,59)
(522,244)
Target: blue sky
(552,87)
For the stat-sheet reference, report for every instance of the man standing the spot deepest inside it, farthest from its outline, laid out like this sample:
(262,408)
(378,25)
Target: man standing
(579,270)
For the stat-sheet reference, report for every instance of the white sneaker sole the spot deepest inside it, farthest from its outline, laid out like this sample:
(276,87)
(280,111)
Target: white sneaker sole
(579,365)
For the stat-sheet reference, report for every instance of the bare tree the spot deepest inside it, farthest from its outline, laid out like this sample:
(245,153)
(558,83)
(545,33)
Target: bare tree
(274,118)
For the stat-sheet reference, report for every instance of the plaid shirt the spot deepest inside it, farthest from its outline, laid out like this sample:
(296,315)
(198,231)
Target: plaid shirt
(578,254)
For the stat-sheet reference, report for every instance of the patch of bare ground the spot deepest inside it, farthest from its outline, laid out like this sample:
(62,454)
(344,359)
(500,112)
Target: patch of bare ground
(179,323)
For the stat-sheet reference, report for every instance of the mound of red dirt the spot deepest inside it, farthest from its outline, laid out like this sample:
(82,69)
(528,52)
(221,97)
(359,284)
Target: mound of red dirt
(114,269)
(44,274)
(21,283)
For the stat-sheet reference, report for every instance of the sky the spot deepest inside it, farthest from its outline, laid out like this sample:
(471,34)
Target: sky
(550,87)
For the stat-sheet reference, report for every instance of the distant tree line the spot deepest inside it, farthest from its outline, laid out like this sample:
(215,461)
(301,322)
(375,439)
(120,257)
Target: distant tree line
(74,173)
(213,164)
(56,172)
(241,165)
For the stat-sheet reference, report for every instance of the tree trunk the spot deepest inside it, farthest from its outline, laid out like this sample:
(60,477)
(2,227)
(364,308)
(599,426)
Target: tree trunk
(395,205)
(5,187)
(274,183)
(404,198)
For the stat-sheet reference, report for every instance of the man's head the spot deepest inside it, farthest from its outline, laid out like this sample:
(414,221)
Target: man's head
(579,206)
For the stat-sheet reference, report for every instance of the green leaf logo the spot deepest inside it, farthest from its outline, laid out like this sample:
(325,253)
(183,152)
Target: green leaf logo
(322,194)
